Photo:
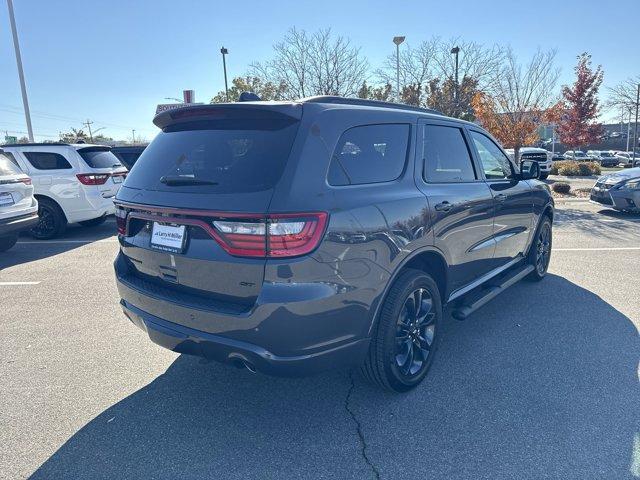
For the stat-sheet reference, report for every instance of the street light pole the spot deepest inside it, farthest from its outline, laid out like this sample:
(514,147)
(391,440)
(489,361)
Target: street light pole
(23,88)
(455,51)
(398,41)
(224,52)
(635,129)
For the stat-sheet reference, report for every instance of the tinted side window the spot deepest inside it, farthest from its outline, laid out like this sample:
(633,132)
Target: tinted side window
(369,154)
(47,160)
(495,164)
(445,155)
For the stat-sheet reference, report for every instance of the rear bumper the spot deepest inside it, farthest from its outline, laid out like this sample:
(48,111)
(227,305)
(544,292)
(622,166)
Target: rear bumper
(14,225)
(292,330)
(181,339)
(95,206)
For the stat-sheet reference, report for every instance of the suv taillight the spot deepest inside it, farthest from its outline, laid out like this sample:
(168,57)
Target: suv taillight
(121,220)
(279,236)
(25,180)
(93,178)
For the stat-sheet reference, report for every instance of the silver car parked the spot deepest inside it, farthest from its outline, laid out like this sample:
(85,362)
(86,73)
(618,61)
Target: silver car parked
(620,190)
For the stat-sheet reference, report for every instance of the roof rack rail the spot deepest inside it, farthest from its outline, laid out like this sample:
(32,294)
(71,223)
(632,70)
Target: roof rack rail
(367,103)
(34,144)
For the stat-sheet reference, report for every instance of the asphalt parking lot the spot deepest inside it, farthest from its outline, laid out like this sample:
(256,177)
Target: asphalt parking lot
(540,383)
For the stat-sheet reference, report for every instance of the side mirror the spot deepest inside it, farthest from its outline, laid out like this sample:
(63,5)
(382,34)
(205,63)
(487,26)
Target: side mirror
(529,169)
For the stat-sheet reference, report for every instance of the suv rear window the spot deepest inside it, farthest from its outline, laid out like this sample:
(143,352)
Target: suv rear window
(7,165)
(47,161)
(232,156)
(97,157)
(369,154)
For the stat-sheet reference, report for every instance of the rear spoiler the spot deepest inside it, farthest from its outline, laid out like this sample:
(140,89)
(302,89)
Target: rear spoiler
(222,111)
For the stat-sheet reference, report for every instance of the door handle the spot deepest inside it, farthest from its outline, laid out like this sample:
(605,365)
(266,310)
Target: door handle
(444,206)
(501,197)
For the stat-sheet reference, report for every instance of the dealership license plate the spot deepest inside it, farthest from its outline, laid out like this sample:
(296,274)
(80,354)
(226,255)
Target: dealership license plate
(6,199)
(117,178)
(169,238)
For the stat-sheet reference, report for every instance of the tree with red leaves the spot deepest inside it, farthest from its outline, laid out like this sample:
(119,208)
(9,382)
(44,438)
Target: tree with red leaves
(577,125)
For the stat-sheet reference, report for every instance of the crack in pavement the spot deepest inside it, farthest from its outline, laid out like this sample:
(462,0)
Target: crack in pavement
(363,442)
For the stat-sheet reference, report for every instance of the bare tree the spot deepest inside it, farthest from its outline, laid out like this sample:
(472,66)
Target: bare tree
(314,64)
(521,97)
(623,95)
(431,64)
(475,61)
(417,66)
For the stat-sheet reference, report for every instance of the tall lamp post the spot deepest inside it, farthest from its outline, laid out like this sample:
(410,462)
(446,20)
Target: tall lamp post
(455,51)
(635,129)
(224,53)
(398,41)
(23,88)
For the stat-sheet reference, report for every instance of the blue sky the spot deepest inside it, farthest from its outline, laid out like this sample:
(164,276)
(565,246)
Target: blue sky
(113,61)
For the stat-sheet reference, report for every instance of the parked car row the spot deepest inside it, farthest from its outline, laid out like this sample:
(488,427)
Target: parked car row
(545,158)
(606,158)
(62,183)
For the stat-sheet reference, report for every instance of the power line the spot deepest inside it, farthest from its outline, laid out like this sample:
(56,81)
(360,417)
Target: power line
(51,116)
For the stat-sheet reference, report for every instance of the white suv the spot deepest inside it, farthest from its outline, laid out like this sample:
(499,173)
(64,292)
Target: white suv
(73,183)
(540,155)
(18,208)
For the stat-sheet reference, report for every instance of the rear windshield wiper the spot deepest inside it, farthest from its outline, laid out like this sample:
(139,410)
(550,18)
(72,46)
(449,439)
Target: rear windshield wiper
(178,180)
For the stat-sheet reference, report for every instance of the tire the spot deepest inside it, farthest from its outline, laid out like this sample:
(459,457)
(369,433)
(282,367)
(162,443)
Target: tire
(388,363)
(52,220)
(94,222)
(7,242)
(544,176)
(540,251)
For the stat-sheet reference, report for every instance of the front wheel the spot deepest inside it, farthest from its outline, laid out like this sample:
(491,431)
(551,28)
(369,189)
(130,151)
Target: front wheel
(405,338)
(540,251)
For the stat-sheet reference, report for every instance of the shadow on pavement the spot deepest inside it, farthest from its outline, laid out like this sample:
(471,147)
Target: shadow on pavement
(29,249)
(618,225)
(540,383)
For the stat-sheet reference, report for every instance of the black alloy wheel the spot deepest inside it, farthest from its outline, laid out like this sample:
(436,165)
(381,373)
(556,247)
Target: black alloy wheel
(415,333)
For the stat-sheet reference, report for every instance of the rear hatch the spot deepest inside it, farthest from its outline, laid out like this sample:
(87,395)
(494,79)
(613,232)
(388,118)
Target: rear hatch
(16,191)
(102,169)
(192,213)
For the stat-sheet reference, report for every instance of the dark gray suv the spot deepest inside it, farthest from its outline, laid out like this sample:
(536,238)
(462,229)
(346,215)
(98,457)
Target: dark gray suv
(292,237)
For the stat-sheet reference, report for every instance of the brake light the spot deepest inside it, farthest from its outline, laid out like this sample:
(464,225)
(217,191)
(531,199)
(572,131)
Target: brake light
(93,178)
(121,220)
(277,236)
(292,234)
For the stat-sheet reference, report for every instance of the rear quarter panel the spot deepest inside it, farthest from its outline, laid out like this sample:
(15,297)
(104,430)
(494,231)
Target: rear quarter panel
(371,230)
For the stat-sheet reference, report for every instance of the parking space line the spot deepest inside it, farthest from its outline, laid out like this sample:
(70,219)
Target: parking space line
(595,249)
(44,242)
(11,284)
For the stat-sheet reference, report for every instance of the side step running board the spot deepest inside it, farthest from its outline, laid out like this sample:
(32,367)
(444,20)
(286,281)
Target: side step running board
(476,300)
